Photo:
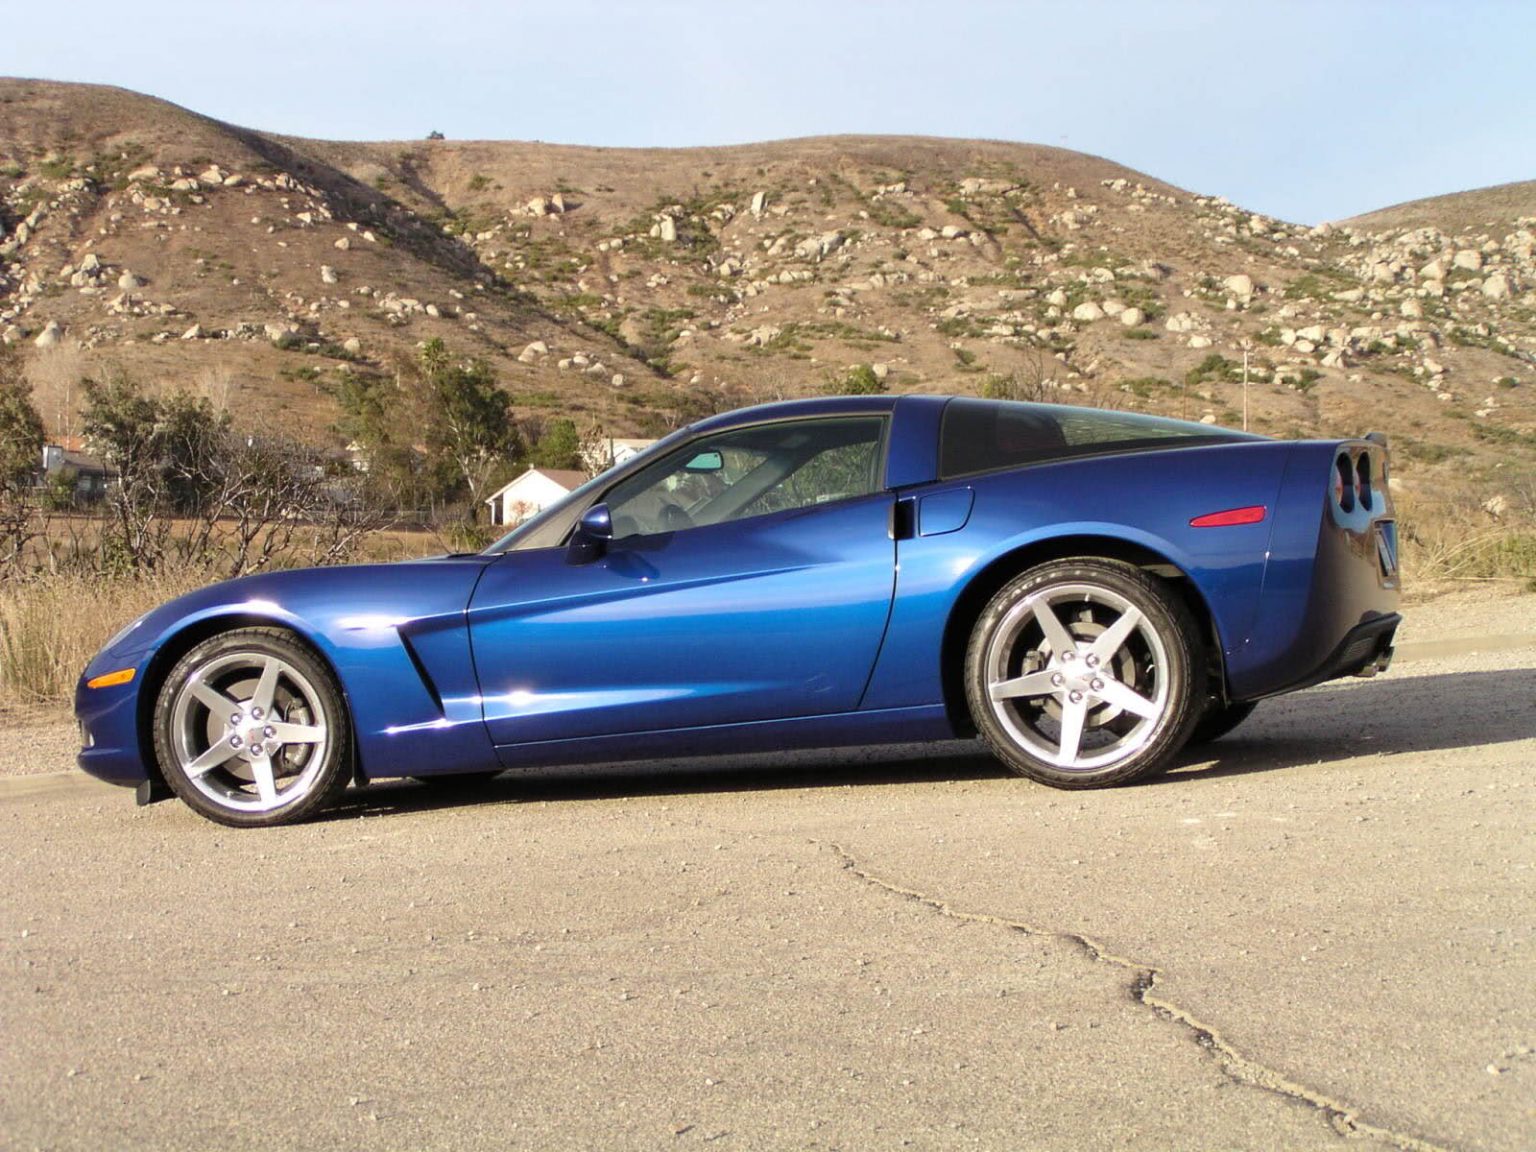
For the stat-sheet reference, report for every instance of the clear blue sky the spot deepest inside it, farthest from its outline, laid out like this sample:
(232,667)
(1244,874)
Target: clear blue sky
(1305,110)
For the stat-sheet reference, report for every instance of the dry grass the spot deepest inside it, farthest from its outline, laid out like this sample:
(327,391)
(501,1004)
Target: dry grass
(1453,539)
(51,627)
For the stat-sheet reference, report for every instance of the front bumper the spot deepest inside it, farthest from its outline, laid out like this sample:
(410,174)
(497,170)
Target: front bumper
(109,732)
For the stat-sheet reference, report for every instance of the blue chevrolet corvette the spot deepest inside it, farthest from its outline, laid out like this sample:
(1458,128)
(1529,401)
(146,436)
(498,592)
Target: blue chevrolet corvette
(1088,591)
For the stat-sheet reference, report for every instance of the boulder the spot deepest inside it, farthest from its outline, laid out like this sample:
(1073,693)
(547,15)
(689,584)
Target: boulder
(1131,317)
(327,274)
(1088,312)
(1496,287)
(532,352)
(1469,258)
(1240,286)
(759,202)
(193,333)
(352,346)
(128,282)
(667,230)
(51,335)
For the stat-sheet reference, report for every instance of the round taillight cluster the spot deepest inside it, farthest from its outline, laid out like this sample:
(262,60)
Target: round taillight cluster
(1363,480)
(1353,483)
(1344,483)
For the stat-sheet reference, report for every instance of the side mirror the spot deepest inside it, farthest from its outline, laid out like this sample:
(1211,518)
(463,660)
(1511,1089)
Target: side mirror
(590,540)
(596,523)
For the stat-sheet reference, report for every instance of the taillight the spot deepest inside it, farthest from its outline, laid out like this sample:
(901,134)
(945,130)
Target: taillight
(1363,480)
(1344,484)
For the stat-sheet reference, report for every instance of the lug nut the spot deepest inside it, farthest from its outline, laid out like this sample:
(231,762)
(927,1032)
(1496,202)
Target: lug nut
(255,713)
(1097,685)
(1075,697)
(234,720)
(1093,661)
(1069,655)
(234,741)
(269,731)
(1058,680)
(256,749)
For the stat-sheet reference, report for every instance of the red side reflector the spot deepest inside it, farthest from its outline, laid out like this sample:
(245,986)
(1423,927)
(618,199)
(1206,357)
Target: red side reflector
(1253,514)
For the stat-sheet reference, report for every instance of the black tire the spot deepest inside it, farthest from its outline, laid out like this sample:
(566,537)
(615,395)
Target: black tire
(251,729)
(1218,720)
(1131,697)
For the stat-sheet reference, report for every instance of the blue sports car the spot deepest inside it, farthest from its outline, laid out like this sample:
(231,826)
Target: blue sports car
(1088,591)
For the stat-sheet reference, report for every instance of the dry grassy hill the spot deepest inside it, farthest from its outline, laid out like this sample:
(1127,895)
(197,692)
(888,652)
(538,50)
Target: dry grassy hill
(634,289)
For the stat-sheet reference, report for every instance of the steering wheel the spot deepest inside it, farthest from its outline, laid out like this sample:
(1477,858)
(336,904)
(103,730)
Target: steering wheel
(674,519)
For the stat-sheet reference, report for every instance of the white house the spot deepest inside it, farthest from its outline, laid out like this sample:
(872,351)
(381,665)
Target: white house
(531,493)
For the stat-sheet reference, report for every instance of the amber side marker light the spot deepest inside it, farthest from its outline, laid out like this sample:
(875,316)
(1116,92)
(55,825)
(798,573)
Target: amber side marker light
(112,679)
(1253,514)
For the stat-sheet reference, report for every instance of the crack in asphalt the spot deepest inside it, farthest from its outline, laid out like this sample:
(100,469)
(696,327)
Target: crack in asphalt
(1343,1118)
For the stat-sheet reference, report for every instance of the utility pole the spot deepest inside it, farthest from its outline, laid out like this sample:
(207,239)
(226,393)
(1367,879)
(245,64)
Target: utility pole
(1247,345)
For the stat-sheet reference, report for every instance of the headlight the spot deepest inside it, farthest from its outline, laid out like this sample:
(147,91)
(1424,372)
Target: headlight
(122,635)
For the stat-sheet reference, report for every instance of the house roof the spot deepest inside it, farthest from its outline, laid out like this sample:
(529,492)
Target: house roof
(568,479)
(79,461)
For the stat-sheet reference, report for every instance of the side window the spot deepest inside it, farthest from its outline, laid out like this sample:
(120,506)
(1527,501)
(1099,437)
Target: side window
(750,472)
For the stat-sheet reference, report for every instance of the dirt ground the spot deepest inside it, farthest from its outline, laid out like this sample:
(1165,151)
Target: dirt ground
(1316,932)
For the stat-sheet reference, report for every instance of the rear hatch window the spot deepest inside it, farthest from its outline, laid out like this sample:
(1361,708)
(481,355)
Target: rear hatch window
(990,435)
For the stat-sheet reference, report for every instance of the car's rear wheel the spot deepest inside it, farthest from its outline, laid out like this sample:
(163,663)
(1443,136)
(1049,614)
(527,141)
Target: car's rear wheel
(1085,672)
(1218,720)
(250,729)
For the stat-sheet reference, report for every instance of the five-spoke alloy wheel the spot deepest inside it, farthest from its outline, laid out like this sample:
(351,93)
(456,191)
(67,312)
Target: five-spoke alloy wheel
(250,729)
(1085,672)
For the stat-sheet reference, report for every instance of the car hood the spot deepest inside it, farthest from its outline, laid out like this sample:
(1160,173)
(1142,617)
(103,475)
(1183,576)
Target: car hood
(313,600)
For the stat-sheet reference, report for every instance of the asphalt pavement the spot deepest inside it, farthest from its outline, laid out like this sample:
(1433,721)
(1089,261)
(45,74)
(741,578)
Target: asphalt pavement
(1315,933)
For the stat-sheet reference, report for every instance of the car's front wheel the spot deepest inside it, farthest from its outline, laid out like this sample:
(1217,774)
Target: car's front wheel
(250,729)
(1085,672)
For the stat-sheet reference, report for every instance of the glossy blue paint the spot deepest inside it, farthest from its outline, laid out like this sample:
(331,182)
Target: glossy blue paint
(773,616)
(828,624)
(939,513)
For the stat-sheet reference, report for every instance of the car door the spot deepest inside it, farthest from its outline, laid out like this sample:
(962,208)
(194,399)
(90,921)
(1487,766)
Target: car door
(750,577)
